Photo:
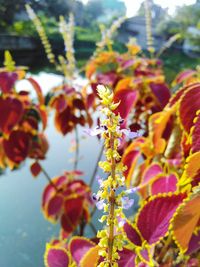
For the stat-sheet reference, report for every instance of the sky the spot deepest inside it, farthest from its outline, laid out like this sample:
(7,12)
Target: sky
(133,5)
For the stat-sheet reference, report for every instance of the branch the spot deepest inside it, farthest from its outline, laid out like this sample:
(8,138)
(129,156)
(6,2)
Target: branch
(77,148)
(46,175)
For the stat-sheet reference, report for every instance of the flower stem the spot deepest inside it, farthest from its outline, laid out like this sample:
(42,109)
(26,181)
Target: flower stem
(112,204)
(77,148)
(164,249)
(46,175)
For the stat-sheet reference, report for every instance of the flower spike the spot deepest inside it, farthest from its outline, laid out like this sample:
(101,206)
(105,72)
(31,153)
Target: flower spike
(108,199)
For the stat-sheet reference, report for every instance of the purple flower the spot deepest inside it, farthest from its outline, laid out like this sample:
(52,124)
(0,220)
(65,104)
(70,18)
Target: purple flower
(132,135)
(121,221)
(95,197)
(131,190)
(100,204)
(96,131)
(127,202)
(100,181)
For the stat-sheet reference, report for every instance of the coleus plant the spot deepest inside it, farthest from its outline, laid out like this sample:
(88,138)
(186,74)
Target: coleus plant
(165,230)
(22,119)
(137,82)
(70,105)
(67,198)
(161,166)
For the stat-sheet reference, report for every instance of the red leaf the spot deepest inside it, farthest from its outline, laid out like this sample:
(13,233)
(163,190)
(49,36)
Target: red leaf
(17,146)
(194,244)
(59,102)
(72,214)
(184,75)
(43,115)
(7,81)
(35,168)
(109,78)
(164,184)
(127,258)
(64,121)
(145,255)
(153,170)
(38,90)
(127,99)
(132,234)
(196,134)
(11,111)
(176,97)
(54,206)
(79,246)
(187,111)
(79,104)
(90,100)
(161,92)
(154,218)
(39,147)
(56,257)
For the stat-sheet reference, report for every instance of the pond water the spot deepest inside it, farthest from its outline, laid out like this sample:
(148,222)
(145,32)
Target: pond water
(23,229)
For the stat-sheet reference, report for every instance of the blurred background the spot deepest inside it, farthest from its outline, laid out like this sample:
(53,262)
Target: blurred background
(18,34)
(23,229)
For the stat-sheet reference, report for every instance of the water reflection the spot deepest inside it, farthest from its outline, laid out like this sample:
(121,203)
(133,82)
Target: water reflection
(23,229)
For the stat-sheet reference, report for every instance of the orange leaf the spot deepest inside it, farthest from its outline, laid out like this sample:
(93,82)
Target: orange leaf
(157,125)
(124,83)
(90,259)
(38,90)
(192,169)
(185,221)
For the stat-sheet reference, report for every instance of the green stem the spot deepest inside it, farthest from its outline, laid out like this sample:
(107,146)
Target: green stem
(164,248)
(77,149)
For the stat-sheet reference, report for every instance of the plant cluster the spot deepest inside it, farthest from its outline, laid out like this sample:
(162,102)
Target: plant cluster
(152,150)
(22,120)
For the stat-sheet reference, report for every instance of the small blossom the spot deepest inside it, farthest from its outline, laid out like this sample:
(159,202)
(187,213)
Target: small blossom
(99,180)
(127,203)
(121,121)
(95,197)
(100,204)
(96,131)
(132,135)
(131,190)
(121,221)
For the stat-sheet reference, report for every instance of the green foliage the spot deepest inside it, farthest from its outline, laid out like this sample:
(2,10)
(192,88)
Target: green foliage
(9,63)
(87,34)
(175,61)
(181,20)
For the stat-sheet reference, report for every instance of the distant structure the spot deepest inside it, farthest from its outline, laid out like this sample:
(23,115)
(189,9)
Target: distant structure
(136,27)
